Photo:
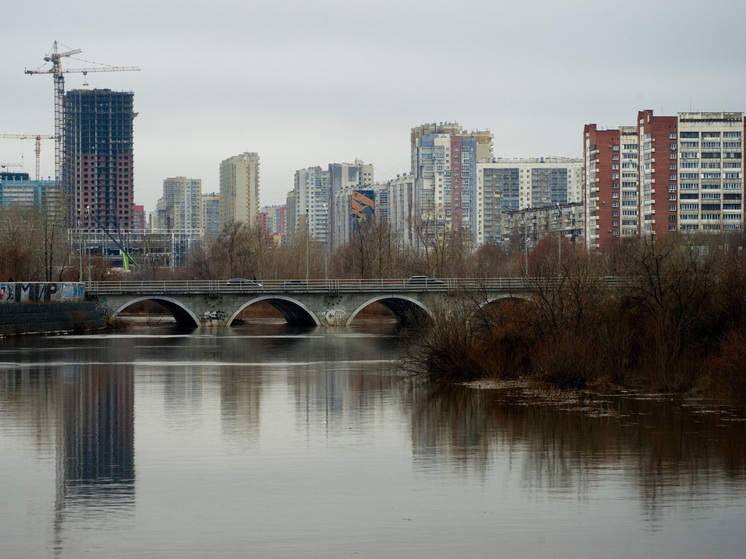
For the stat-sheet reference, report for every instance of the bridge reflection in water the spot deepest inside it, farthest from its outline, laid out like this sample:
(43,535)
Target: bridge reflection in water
(303,303)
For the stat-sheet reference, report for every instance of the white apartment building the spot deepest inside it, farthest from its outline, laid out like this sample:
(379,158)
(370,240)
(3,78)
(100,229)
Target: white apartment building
(509,185)
(239,189)
(210,214)
(710,148)
(179,209)
(401,207)
(312,208)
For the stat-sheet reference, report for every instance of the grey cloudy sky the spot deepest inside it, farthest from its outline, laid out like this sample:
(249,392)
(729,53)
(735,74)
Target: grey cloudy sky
(307,83)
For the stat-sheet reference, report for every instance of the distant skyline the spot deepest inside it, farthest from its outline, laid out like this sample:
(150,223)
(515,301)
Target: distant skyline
(307,83)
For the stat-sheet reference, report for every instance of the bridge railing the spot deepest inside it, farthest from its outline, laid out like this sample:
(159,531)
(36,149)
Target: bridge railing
(393,285)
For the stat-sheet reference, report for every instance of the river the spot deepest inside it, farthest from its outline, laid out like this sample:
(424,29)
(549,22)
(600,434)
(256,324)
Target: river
(265,441)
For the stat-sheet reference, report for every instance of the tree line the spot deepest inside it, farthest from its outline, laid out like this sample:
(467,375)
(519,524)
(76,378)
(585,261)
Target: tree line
(34,247)
(662,314)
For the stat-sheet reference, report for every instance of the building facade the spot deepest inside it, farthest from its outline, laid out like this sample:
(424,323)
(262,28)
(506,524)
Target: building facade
(239,190)
(343,176)
(667,174)
(401,207)
(355,209)
(444,166)
(312,209)
(508,185)
(210,215)
(179,208)
(274,220)
(97,172)
(710,148)
(17,189)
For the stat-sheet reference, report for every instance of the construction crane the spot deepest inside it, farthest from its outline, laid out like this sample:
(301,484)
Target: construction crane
(55,58)
(6,165)
(37,137)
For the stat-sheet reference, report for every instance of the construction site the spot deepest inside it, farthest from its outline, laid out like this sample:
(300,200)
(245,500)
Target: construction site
(92,191)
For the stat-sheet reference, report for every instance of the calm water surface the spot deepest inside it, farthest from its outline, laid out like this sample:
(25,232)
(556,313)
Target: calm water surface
(262,441)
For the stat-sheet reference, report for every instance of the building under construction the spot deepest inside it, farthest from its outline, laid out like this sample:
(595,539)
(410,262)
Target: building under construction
(97,170)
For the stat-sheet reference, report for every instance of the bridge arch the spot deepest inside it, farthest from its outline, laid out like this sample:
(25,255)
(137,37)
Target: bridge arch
(505,298)
(492,307)
(402,307)
(295,312)
(181,313)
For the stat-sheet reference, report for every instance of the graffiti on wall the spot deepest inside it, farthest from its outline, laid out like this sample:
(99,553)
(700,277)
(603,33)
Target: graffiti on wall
(19,292)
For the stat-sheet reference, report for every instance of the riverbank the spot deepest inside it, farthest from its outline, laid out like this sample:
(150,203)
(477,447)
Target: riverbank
(50,318)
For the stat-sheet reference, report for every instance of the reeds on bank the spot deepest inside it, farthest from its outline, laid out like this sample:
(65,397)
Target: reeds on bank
(671,318)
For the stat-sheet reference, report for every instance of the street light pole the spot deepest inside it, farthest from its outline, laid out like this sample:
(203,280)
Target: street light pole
(559,235)
(307,250)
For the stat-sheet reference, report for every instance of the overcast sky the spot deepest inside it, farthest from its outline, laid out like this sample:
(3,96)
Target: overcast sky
(312,82)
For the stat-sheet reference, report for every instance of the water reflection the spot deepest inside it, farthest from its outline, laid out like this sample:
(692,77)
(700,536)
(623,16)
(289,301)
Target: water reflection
(241,427)
(657,447)
(87,415)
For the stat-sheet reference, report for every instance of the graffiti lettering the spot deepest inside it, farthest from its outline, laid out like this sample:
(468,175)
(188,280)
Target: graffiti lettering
(40,292)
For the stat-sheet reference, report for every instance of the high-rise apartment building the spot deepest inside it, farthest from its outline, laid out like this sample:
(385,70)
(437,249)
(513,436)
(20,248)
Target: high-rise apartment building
(601,194)
(97,172)
(312,206)
(666,174)
(401,207)
(508,185)
(179,208)
(274,220)
(239,190)
(444,165)
(139,222)
(711,168)
(657,173)
(342,176)
(355,209)
(210,215)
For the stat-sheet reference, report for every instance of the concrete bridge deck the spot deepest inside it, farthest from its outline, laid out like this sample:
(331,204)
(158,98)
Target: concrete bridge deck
(311,303)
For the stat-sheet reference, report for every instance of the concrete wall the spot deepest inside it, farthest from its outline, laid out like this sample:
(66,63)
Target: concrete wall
(40,318)
(20,292)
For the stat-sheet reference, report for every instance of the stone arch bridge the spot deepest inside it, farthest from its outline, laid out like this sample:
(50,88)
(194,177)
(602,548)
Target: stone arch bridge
(303,303)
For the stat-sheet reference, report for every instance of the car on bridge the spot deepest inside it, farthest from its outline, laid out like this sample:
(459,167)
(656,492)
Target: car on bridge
(424,280)
(294,284)
(243,282)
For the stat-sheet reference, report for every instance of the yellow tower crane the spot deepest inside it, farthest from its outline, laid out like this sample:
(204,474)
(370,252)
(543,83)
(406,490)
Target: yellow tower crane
(37,137)
(55,58)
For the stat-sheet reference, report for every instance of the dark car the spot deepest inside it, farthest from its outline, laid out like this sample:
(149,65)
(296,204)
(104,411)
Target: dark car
(424,280)
(243,282)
